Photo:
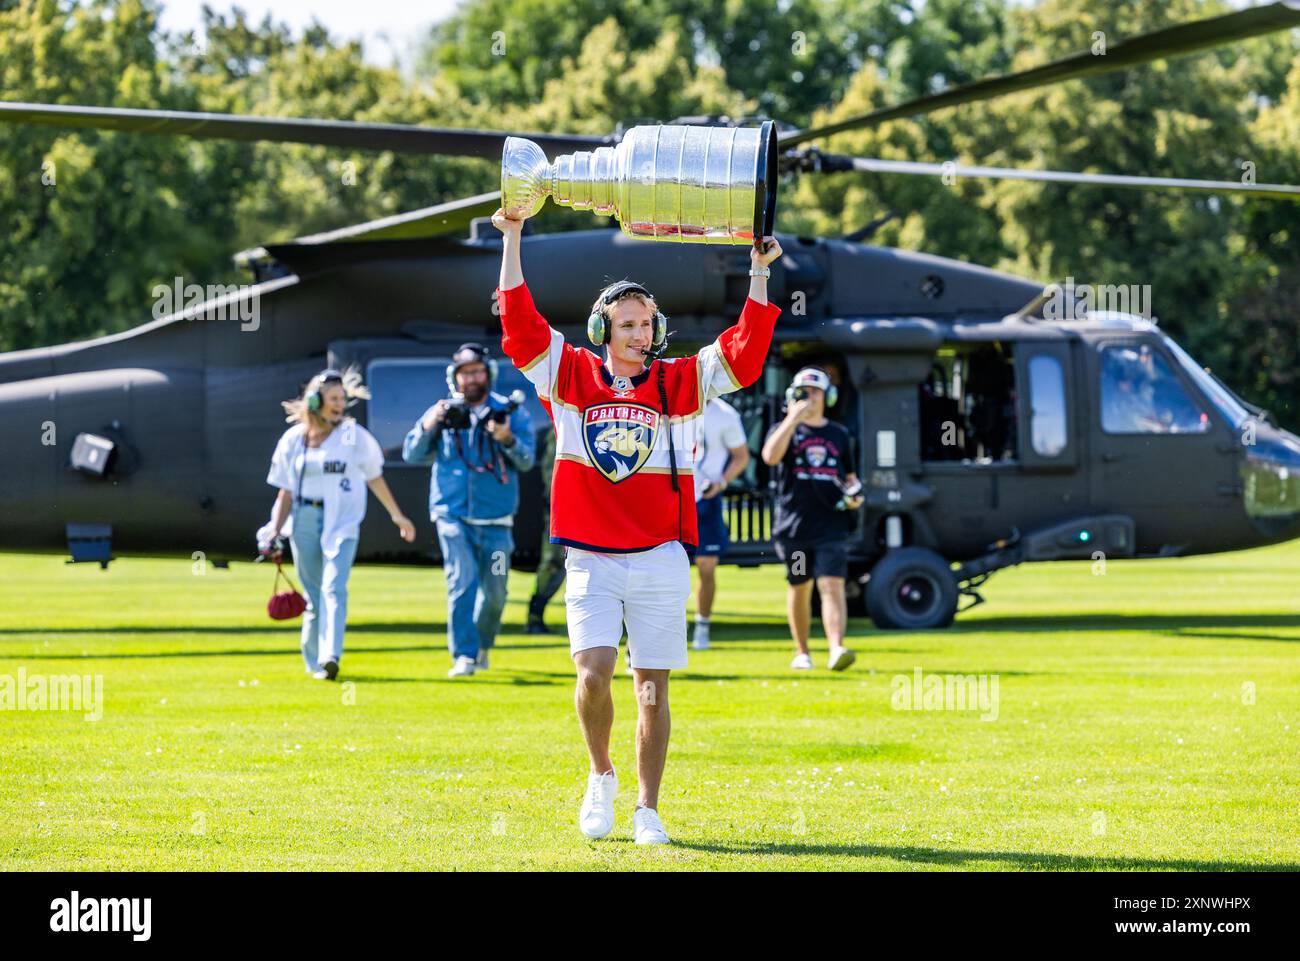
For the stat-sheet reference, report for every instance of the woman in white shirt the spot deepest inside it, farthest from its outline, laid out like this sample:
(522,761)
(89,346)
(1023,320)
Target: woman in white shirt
(323,465)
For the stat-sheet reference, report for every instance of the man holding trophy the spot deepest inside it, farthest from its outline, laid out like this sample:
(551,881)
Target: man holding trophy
(623,496)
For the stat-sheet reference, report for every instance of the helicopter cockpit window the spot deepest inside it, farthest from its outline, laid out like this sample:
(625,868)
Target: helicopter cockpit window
(1140,394)
(1046,406)
(968,405)
(1220,395)
(403,388)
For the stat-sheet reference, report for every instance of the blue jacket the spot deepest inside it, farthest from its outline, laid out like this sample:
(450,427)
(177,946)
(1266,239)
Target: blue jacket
(455,488)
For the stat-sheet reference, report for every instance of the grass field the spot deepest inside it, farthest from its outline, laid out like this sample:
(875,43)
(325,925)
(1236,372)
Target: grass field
(1148,718)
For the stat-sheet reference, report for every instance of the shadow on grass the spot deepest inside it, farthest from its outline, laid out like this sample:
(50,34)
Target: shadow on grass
(264,652)
(820,675)
(509,681)
(1173,624)
(410,627)
(765,631)
(859,642)
(1024,860)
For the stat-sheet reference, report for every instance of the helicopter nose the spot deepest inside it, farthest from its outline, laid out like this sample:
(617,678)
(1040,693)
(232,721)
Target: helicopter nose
(1270,488)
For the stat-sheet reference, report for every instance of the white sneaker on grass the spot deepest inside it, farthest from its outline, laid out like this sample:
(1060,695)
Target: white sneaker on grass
(481,662)
(464,667)
(700,640)
(840,658)
(596,816)
(802,662)
(647,828)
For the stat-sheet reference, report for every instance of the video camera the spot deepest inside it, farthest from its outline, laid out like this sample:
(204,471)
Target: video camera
(458,415)
(513,403)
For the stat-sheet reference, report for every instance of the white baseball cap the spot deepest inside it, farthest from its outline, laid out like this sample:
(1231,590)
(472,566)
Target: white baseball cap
(812,377)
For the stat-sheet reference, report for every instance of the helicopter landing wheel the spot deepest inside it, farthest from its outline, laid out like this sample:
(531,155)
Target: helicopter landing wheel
(912,589)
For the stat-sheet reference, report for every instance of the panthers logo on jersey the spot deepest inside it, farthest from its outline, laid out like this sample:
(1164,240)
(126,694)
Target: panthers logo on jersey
(619,438)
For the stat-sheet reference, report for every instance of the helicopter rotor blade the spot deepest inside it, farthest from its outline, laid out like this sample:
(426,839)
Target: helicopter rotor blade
(1172,41)
(872,165)
(400,138)
(450,218)
(443,220)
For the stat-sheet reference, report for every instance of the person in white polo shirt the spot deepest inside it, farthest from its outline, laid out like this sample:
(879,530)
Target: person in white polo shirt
(323,466)
(721,455)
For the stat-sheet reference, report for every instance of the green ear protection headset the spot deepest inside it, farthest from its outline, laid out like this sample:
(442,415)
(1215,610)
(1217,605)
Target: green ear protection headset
(316,399)
(471,354)
(813,377)
(598,330)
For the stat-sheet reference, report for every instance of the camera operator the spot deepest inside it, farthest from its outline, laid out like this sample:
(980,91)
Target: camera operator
(479,442)
(818,495)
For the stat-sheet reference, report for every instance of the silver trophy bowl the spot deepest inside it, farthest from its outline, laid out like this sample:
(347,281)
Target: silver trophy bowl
(688,184)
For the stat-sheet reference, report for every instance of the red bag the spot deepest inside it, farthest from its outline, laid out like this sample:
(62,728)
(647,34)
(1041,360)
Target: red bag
(285,605)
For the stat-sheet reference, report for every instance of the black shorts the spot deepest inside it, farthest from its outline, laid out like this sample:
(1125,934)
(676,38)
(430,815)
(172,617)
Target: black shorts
(805,560)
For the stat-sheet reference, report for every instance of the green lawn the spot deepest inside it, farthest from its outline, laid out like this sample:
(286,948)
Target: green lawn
(1125,736)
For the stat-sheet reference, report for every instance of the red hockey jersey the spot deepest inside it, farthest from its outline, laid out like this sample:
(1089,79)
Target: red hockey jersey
(612,490)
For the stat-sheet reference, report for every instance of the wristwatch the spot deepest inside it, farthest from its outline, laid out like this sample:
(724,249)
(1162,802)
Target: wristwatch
(761,272)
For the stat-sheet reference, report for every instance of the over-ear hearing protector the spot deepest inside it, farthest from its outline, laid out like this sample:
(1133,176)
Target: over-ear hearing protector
(598,331)
(471,354)
(316,399)
(813,377)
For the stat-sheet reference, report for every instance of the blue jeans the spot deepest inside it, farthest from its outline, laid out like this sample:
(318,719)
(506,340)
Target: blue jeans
(325,582)
(476,560)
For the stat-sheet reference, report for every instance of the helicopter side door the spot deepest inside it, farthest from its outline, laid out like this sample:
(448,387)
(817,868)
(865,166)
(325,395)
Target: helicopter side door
(1158,446)
(967,441)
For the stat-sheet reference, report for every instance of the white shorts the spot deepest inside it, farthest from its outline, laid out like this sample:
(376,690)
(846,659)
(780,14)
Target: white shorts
(647,590)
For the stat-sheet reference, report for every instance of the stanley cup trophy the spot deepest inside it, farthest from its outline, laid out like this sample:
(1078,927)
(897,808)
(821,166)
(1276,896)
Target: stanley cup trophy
(690,184)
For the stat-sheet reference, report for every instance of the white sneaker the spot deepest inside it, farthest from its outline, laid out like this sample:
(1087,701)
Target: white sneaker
(596,816)
(701,639)
(802,662)
(464,667)
(841,657)
(647,828)
(481,662)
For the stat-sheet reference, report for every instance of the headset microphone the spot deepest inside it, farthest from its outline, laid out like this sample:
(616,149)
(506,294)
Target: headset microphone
(655,352)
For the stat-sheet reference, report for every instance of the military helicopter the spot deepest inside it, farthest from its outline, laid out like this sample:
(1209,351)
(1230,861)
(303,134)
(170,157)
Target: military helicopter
(998,422)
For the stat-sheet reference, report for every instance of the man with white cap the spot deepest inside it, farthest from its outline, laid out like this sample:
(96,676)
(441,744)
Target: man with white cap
(817,494)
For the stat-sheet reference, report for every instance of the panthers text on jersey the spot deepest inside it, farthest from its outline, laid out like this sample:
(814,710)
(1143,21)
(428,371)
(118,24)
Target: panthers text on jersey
(611,490)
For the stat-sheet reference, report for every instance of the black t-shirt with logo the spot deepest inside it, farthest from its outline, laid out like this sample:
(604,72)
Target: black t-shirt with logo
(808,483)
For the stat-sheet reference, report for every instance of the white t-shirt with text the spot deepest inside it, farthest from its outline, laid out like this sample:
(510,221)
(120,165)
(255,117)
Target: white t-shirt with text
(348,459)
(721,429)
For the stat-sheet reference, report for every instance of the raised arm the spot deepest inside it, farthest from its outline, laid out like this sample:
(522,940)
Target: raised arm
(759,258)
(512,270)
(526,338)
(420,442)
(736,358)
(778,441)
